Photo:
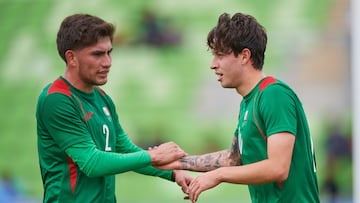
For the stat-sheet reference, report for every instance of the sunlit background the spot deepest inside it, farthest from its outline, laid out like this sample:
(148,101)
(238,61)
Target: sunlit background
(164,90)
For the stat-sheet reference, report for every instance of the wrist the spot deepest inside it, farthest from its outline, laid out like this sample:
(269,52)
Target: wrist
(173,175)
(152,156)
(219,175)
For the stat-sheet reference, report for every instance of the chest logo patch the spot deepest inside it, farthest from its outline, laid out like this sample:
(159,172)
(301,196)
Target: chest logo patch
(246,116)
(106,111)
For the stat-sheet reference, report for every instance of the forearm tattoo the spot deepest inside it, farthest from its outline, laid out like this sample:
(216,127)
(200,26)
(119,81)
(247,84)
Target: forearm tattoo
(211,161)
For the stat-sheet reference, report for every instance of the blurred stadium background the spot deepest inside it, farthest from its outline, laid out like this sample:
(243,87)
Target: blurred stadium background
(164,90)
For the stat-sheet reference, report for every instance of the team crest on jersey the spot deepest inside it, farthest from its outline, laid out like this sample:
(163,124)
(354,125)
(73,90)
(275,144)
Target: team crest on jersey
(245,118)
(107,112)
(240,140)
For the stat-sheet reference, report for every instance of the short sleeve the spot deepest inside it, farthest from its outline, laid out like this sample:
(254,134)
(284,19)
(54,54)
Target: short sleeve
(277,108)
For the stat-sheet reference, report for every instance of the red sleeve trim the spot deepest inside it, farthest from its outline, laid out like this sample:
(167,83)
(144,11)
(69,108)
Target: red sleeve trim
(60,86)
(72,173)
(266,82)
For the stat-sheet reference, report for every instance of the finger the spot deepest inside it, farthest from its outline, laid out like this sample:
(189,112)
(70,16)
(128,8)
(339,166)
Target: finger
(193,183)
(168,144)
(184,188)
(185,185)
(192,189)
(196,195)
(152,148)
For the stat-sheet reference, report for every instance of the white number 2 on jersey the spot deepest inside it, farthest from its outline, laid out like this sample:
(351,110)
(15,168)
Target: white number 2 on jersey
(107,136)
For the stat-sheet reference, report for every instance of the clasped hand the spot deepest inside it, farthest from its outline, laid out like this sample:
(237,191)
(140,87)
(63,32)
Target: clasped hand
(165,153)
(166,156)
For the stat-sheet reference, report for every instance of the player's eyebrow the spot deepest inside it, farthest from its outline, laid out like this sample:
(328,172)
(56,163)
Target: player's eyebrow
(101,52)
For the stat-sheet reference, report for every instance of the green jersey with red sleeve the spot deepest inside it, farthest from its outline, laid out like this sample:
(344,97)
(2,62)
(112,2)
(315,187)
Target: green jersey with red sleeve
(81,146)
(273,107)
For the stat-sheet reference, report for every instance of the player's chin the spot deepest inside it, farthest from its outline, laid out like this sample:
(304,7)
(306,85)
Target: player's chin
(101,81)
(225,85)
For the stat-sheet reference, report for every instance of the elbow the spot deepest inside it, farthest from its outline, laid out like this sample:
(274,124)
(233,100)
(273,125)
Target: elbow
(91,173)
(91,168)
(284,176)
(281,174)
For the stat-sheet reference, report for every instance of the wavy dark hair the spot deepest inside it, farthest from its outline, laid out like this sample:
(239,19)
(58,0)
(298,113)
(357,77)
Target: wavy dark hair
(81,30)
(233,34)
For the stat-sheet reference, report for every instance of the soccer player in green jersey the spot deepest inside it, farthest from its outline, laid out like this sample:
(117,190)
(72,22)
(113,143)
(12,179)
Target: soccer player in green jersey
(272,151)
(81,144)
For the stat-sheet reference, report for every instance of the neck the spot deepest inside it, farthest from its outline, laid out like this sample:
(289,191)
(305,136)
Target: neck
(250,83)
(77,83)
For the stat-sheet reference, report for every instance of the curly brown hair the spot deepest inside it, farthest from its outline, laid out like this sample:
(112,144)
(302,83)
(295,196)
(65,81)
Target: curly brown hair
(233,34)
(81,30)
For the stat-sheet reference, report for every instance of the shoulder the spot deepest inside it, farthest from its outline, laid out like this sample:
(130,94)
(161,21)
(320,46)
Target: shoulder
(271,85)
(276,92)
(59,86)
(272,82)
(266,82)
(55,91)
(55,95)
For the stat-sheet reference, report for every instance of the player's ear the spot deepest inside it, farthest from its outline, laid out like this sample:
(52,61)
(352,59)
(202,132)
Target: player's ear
(71,58)
(245,55)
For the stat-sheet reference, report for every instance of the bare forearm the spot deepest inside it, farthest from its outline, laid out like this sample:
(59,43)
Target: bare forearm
(211,161)
(252,174)
(208,162)
(275,168)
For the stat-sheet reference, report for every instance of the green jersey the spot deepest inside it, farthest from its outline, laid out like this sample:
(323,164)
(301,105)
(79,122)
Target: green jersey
(272,107)
(81,146)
